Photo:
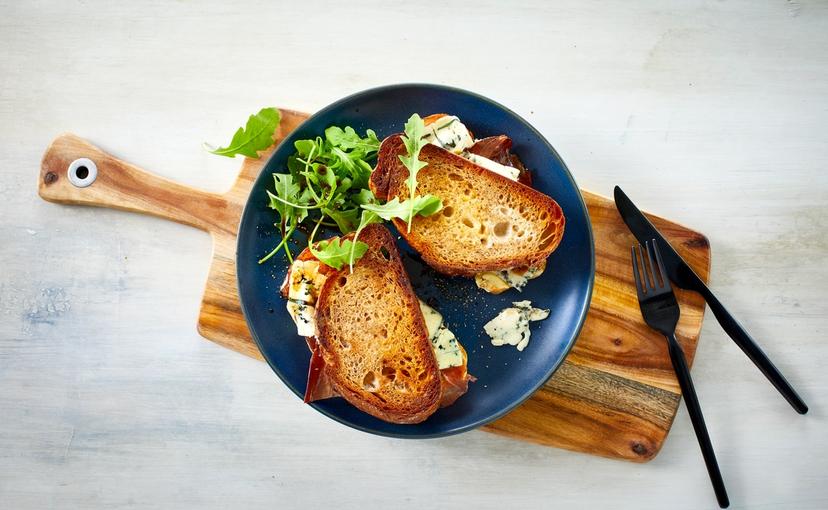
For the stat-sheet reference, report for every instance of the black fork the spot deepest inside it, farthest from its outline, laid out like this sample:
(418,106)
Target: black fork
(661,312)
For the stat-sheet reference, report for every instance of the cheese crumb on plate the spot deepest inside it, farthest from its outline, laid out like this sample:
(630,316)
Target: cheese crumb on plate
(511,326)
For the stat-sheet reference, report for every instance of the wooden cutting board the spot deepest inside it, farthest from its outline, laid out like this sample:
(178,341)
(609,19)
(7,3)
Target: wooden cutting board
(615,395)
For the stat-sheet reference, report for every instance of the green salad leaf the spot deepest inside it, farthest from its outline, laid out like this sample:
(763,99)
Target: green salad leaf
(327,183)
(257,135)
(415,204)
(349,139)
(337,252)
(346,220)
(413,140)
(287,192)
(422,205)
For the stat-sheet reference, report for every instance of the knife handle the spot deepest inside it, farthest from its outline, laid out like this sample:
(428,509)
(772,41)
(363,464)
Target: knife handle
(753,351)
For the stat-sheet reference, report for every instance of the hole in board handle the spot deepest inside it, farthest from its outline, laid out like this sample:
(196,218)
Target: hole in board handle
(82,172)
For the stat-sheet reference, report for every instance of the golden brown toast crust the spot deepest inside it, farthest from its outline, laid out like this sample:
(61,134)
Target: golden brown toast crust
(373,337)
(504,223)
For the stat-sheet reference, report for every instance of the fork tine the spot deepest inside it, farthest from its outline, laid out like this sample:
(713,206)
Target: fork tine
(665,282)
(649,280)
(636,276)
(652,272)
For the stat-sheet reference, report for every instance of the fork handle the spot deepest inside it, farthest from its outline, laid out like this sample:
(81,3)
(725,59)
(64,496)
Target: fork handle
(753,351)
(692,403)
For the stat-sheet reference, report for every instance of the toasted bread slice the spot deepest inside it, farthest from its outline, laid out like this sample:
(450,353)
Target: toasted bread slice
(488,222)
(372,336)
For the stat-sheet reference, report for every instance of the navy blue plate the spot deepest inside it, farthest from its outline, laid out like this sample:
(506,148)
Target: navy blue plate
(505,377)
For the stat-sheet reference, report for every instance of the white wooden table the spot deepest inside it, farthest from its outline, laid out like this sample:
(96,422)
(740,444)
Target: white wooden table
(710,113)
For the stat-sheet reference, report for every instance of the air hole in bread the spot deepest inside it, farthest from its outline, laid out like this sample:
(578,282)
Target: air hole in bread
(501,228)
(389,372)
(455,177)
(383,333)
(448,211)
(405,372)
(385,254)
(342,281)
(422,376)
(408,357)
(344,344)
(370,382)
(548,234)
(467,222)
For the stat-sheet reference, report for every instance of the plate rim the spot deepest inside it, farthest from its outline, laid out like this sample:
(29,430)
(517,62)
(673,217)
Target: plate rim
(553,367)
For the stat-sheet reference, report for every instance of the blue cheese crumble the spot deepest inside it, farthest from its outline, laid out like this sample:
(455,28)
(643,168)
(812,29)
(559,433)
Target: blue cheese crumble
(511,326)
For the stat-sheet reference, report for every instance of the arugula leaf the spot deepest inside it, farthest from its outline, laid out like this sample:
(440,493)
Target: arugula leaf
(362,173)
(348,139)
(295,166)
(364,196)
(305,148)
(288,191)
(346,220)
(422,205)
(371,138)
(427,205)
(337,252)
(344,158)
(257,135)
(413,140)
(327,177)
(320,175)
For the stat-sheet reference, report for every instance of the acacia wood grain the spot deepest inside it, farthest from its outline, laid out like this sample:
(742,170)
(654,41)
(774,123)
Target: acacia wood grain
(615,395)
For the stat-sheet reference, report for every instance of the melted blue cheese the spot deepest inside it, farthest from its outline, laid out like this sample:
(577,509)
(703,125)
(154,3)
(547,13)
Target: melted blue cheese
(511,326)
(496,282)
(443,342)
(304,284)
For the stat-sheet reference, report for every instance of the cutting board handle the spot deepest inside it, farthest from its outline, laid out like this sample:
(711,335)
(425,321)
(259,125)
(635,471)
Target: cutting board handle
(74,171)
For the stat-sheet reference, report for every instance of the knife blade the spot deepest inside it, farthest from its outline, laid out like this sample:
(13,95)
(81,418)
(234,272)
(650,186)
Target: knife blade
(682,275)
(678,270)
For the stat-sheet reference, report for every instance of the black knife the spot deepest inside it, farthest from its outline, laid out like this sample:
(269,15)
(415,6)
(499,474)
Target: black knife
(683,276)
